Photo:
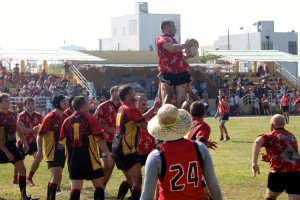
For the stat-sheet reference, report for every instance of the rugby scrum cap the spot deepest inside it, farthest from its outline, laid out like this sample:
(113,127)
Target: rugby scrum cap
(170,123)
(56,101)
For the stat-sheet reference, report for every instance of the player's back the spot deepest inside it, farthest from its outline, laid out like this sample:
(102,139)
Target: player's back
(181,170)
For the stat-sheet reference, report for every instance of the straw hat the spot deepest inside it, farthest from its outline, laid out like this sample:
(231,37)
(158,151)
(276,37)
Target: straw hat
(170,123)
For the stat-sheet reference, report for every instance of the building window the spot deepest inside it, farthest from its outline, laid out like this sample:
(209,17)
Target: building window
(267,45)
(124,31)
(115,32)
(293,48)
(132,27)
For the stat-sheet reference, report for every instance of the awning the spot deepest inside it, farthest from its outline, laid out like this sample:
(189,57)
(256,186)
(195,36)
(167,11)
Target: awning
(54,55)
(255,55)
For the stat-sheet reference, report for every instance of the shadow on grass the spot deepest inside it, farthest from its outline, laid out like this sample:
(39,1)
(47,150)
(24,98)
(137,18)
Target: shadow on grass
(2,198)
(236,141)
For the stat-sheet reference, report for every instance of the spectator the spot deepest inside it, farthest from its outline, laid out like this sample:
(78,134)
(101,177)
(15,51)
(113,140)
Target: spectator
(256,106)
(231,103)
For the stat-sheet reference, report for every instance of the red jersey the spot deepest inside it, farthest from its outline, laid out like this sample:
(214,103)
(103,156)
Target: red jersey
(8,121)
(68,112)
(200,130)
(181,172)
(285,101)
(80,132)
(50,130)
(282,150)
(146,143)
(29,122)
(264,101)
(128,118)
(223,109)
(168,62)
(106,113)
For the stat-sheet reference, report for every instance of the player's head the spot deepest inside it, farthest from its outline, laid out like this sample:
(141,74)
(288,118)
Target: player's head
(114,93)
(186,105)
(59,102)
(4,102)
(126,94)
(168,27)
(80,104)
(70,102)
(221,92)
(197,109)
(264,95)
(141,101)
(277,121)
(29,104)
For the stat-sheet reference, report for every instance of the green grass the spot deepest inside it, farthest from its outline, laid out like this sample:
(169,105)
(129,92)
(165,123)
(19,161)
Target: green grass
(232,162)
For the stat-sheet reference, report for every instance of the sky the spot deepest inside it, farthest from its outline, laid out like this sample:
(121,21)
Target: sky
(45,24)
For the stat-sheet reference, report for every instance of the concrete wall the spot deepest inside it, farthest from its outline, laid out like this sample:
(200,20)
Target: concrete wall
(137,32)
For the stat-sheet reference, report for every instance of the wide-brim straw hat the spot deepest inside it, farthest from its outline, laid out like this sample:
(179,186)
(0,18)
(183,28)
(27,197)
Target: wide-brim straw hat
(170,123)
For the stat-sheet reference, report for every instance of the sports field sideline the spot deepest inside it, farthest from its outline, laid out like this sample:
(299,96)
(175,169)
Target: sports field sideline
(232,161)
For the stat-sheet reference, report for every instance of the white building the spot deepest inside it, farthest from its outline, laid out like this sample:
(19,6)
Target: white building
(263,38)
(137,32)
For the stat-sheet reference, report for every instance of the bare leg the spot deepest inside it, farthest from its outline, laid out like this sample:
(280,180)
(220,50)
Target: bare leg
(136,176)
(167,93)
(181,94)
(107,170)
(272,195)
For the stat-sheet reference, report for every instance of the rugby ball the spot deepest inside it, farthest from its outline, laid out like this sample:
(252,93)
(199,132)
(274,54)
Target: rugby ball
(192,51)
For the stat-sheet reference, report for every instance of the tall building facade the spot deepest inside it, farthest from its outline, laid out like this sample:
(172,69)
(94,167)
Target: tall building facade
(137,32)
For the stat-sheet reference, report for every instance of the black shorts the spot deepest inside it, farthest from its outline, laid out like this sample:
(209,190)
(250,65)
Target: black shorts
(142,159)
(266,107)
(285,108)
(224,117)
(13,149)
(174,79)
(86,174)
(286,181)
(125,162)
(52,164)
(109,146)
(32,149)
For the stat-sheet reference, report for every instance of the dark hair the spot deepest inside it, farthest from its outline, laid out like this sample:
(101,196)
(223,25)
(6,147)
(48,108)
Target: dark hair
(165,23)
(56,101)
(78,102)
(197,109)
(29,99)
(3,96)
(113,88)
(123,91)
(70,102)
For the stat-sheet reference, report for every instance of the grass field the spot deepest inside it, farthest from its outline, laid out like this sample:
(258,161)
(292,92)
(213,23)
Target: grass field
(232,162)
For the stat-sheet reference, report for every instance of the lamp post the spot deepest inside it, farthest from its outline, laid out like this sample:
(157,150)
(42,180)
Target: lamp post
(248,34)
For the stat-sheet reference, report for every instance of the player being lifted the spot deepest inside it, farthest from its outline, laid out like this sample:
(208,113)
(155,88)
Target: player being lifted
(174,70)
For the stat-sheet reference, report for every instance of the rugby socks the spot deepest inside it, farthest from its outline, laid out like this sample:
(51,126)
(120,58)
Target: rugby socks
(270,199)
(31,173)
(22,185)
(123,189)
(99,193)
(135,193)
(52,187)
(75,194)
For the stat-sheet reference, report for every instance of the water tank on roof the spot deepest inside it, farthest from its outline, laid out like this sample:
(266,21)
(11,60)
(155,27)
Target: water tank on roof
(141,7)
